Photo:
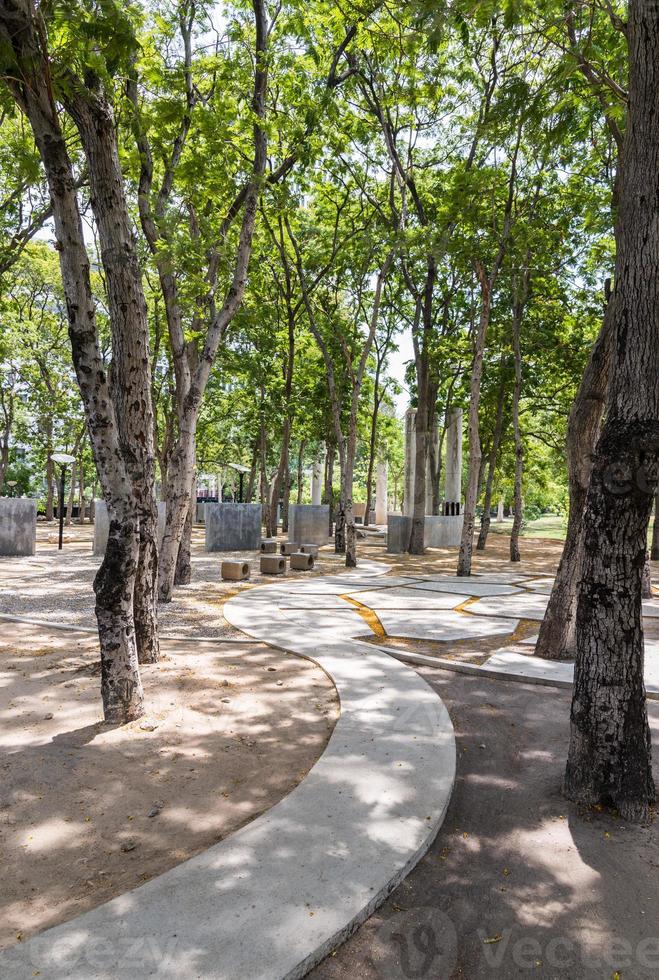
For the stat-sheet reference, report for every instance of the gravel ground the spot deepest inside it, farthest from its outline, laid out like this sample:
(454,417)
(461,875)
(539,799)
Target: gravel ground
(58,586)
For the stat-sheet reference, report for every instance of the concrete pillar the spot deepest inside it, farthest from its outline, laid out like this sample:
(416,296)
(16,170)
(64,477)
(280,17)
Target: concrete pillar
(453,484)
(500,512)
(410,462)
(317,482)
(381,493)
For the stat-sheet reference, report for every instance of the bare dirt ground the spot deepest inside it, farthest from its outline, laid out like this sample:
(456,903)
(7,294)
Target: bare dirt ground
(519,882)
(89,811)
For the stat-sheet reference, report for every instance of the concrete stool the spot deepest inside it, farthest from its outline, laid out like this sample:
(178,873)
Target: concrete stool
(235,571)
(269,546)
(309,549)
(272,565)
(289,548)
(302,562)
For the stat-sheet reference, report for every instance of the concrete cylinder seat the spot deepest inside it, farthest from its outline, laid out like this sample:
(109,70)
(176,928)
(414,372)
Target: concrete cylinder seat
(309,549)
(289,547)
(269,546)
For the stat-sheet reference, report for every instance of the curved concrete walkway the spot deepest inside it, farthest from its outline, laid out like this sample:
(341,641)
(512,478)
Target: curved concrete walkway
(282,892)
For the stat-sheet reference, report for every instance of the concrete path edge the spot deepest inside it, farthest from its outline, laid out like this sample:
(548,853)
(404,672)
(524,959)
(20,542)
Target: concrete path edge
(274,898)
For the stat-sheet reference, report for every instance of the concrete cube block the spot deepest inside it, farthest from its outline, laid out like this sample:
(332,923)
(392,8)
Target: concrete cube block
(235,571)
(269,546)
(302,562)
(289,547)
(309,549)
(18,526)
(273,565)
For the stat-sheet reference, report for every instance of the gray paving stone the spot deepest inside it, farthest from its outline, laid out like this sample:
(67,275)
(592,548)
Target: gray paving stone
(524,606)
(408,598)
(466,587)
(443,625)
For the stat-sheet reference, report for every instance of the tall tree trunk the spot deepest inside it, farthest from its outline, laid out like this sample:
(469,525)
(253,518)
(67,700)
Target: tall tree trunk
(130,332)
(81,489)
(181,468)
(423,319)
(371,445)
(346,496)
(557,637)
(329,482)
(50,471)
(184,561)
(286,500)
(518,506)
(251,482)
(300,473)
(340,522)
(282,468)
(492,465)
(23,32)
(72,492)
(264,491)
(471,496)
(609,760)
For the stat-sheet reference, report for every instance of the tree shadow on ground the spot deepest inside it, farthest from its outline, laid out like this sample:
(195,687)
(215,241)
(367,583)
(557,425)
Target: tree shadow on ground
(89,811)
(519,881)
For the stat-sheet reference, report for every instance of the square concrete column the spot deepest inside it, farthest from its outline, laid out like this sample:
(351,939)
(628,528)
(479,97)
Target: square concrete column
(18,526)
(453,484)
(410,462)
(381,493)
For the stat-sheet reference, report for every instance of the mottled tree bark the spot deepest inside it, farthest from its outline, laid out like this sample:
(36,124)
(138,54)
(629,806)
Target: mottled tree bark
(609,760)
(22,33)
(131,375)
(557,637)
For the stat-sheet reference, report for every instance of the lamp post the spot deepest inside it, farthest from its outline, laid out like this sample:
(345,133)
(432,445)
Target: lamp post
(63,459)
(11,484)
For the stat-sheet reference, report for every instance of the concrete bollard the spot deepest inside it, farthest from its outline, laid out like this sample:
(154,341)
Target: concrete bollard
(289,547)
(309,549)
(269,546)
(272,565)
(235,571)
(302,562)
